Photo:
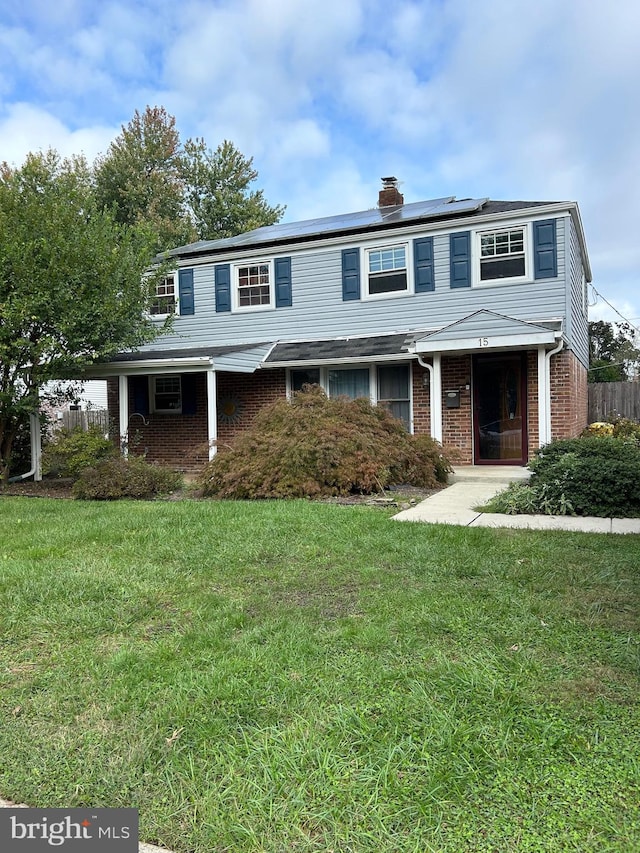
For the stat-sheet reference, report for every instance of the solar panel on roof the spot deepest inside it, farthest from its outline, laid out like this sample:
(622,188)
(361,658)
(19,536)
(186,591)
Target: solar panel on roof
(403,213)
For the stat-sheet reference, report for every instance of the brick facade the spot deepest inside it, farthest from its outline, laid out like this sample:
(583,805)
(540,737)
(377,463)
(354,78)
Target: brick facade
(181,440)
(421,402)
(457,424)
(569,401)
(250,391)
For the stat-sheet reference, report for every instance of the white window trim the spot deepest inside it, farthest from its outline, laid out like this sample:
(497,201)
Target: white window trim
(152,394)
(476,236)
(176,307)
(373,380)
(235,301)
(364,266)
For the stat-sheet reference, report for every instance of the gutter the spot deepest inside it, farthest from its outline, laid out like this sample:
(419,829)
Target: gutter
(547,357)
(36,453)
(435,394)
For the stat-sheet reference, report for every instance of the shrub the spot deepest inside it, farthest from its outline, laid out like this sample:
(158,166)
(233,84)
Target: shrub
(627,429)
(117,478)
(591,475)
(315,446)
(516,499)
(599,428)
(72,450)
(546,460)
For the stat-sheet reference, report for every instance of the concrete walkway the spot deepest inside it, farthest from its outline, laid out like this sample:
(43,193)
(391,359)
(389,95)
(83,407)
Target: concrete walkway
(472,486)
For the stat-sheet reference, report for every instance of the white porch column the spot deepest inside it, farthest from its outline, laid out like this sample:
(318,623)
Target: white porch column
(123,400)
(212,412)
(544,420)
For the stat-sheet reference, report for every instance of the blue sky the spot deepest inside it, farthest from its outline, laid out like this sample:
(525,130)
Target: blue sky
(501,98)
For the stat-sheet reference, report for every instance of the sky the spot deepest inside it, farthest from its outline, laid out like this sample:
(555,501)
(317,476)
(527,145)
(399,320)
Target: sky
(505,99)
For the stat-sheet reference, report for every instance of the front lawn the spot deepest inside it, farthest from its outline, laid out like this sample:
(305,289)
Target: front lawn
(310,677)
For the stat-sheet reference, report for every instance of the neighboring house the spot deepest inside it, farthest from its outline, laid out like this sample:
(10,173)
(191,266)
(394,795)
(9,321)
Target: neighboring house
(468,319)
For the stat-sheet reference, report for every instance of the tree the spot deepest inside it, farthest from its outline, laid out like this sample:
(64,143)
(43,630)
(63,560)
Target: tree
(182,192)
(218,194)
(141,178)
(613,354)
(70,283)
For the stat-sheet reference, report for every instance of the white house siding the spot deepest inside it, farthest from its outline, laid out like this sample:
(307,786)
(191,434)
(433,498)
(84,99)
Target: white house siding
(319,312)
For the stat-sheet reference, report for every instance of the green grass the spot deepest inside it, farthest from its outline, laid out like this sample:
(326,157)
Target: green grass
(311,677)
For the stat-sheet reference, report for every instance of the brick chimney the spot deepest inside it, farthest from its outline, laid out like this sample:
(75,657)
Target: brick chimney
(390,195)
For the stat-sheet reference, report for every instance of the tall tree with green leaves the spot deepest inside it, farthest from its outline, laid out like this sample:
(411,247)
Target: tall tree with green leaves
(182,192)
(71,283)
(614,355)
(141,178)
(218,191)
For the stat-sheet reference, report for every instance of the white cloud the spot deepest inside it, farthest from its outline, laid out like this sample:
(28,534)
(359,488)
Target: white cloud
(533,101)
(25,128)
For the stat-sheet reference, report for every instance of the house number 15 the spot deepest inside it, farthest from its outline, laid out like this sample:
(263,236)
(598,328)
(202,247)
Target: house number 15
(484,342)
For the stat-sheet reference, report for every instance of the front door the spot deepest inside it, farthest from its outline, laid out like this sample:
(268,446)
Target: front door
(500,409)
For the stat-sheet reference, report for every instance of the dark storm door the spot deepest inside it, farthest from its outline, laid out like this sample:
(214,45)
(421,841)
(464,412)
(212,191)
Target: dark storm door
(500,410)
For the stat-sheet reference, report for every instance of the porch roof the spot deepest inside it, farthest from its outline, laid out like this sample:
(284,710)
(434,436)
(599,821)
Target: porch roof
(348,349)
(484,331)
(234,358)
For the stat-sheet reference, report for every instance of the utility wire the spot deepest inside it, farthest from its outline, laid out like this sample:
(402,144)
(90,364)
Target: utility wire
(613,307)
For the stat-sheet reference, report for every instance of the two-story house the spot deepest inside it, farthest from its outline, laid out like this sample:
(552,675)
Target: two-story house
(467,318)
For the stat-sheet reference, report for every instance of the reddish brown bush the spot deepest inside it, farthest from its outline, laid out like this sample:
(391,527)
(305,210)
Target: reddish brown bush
(313,446)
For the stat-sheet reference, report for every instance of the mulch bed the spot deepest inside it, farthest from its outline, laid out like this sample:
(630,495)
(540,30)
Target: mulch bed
(399,496)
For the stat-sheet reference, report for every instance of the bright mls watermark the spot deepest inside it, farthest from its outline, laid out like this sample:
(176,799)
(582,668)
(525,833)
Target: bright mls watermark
(69,830)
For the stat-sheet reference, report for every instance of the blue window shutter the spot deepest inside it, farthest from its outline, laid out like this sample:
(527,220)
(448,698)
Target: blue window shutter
(283,282)
(140,389)
(460,260)
(186,303)
(223,287)
(545,254)
(423,265)
(189,399)
(350,274)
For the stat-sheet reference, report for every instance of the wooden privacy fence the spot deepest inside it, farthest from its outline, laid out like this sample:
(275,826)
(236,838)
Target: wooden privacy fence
(86,419)
(607,398)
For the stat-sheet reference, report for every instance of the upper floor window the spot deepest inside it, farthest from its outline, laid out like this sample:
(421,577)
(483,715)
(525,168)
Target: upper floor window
(253,286)
(503,254)
(387,270)
(164,301)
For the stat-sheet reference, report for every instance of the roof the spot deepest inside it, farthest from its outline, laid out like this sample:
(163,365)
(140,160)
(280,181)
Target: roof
(341,349)
(186,352)
(494,331)
(394,216)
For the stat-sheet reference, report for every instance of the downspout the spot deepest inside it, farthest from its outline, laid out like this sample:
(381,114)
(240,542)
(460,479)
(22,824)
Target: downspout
(435,394)
(36,453)
(548,356)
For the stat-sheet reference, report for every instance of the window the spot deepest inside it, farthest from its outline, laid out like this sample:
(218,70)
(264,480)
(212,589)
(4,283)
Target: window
(164,301)
(166,394)
(503,254)
(393,391)
(387,270)
(304,377)
(351,383)
(388,385)
(253,286)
